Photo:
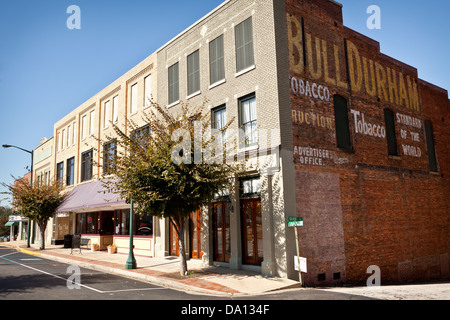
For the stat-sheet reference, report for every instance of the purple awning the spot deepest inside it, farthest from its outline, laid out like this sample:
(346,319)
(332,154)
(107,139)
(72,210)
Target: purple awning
(89,196)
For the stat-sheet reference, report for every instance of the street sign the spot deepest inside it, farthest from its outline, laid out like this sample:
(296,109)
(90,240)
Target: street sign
(295,222)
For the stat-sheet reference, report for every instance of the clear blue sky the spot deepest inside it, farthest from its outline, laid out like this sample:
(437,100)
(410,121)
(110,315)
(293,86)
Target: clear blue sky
(47,70)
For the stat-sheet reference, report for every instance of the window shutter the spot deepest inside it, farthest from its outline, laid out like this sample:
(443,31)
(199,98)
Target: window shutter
(174,93)
(216,60)
(342,123)
(193,66)
(389,119)
(432,159)
(244,45)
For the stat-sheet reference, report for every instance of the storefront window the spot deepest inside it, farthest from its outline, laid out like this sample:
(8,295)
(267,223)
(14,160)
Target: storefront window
(117,223)
(144,226)
(122,222)
(91,222)
(80,224)
(86,223)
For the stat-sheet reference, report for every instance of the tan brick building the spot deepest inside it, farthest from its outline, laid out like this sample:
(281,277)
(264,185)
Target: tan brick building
(362,144)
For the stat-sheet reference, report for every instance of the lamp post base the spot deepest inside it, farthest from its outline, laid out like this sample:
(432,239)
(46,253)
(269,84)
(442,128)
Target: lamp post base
(131,262)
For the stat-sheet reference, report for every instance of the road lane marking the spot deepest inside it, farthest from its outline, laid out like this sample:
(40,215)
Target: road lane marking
(82,285)
(8,254)
(47,273)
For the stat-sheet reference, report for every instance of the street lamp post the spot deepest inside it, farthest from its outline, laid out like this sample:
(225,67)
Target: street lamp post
(6,146)
(131,261)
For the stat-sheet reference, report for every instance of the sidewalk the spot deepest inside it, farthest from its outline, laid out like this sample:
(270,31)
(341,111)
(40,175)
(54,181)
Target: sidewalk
(165,271)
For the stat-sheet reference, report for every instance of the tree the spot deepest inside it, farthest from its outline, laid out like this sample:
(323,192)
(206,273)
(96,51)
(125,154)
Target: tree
(37,202)
(156,167)
(4,218)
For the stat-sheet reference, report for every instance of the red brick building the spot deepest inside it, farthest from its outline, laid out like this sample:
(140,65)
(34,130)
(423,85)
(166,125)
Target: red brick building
(372,155)
(358,148)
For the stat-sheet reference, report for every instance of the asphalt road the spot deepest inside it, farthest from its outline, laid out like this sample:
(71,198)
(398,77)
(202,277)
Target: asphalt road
(27,277)
(30,278)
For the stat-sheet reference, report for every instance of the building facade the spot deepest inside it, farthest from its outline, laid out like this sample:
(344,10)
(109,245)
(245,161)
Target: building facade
(359,142)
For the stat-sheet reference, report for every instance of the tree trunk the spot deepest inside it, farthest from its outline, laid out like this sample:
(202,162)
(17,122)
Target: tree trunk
(180,226)
(42,227)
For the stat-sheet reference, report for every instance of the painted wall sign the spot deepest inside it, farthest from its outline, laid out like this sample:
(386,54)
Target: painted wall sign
(408,135)
(312,156)
(365,75)
(409,121)
(366,128)
(312,90)
(312,119)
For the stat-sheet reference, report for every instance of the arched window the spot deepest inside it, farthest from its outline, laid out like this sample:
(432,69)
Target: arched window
(342,123)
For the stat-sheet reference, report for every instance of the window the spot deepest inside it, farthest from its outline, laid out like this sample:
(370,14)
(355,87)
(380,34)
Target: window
(74,134)
(244,45)
(83,127)
(92,124)
(148,91)
(115,109)
(122,222)
(216,60)
(389,119)
(342,123)
(59,172)
(219,120)
(106,115)
(80,226)
(144,226)
(133,108)
(70,171)
(174,90)
(142,135)
(86,223)
(69,135)
(250,187)
(193,72)
(247,121)
(109,153)
(86,166)
(63,139)
(432,158)
(58,143)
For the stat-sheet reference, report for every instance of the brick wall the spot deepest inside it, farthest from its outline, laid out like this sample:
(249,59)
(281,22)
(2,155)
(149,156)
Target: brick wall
(364,207)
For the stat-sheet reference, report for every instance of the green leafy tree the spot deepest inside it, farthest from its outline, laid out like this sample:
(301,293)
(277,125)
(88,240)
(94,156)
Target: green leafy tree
(37,203)
(157,167)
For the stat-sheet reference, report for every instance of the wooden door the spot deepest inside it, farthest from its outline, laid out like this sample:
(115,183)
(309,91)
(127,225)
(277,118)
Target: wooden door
(252,231)
(195,235)
(174,249)
(221,232)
